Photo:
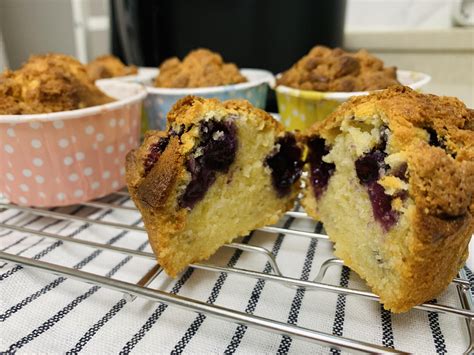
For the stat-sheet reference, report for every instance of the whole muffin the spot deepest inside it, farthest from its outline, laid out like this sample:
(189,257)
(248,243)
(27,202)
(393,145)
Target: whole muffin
(109,66)
(200,68)
(325,69)
(48,83)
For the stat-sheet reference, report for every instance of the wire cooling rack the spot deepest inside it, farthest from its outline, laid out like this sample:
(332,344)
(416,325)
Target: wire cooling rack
(140,289)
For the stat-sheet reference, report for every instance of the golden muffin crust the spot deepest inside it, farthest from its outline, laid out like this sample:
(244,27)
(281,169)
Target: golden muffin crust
(48,83)
(324,69)
(433,137)
(200,68)
(108,66)
(190,109)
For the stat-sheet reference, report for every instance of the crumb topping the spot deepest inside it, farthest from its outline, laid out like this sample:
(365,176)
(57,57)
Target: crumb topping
(200,68)
(108,66)
(48,83)
(324,69)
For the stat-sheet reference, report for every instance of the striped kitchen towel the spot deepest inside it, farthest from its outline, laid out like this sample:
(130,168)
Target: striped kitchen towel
(44,313)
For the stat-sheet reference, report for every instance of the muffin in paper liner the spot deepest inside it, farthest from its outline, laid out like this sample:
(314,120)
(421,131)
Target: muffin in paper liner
(300,109)
(69,157)
(160,100)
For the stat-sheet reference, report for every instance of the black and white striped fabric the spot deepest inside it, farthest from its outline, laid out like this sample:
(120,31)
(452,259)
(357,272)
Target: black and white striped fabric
(44,313)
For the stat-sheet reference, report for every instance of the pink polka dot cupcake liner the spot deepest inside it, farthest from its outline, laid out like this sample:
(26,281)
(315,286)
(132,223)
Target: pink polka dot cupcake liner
(69,157)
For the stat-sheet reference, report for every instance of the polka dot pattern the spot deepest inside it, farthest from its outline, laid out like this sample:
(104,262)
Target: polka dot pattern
(36,143)
(38,162)
(67,161)
(63,143)
(8,148)
(35,125)
(88,171)
(58,124)
(90,130)
(27,172)
(80,156)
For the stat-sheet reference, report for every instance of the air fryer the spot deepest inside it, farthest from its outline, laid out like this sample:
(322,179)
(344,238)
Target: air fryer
(265,34)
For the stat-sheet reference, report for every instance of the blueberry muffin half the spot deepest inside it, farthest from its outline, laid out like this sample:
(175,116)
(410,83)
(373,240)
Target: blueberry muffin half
(220,170)
(391,176)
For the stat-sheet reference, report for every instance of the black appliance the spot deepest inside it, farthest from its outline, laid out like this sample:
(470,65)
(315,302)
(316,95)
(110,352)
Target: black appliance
(265,34)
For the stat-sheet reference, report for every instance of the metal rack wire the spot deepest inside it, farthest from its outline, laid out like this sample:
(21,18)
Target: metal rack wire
(140,289)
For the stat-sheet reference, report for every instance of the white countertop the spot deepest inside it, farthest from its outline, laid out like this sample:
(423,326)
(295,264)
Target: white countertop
(450,39)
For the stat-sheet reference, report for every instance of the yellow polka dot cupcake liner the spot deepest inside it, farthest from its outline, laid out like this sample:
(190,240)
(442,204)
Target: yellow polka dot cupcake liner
(300,109)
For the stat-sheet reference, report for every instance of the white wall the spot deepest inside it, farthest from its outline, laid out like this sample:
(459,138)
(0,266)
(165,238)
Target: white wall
(398,14)
(41,26)
(30,27)
(3,56)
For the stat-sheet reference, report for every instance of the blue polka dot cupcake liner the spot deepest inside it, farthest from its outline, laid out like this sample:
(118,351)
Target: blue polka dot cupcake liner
(160,100)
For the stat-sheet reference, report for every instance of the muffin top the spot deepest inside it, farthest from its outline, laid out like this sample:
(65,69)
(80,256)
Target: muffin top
(48,83)
(108,66)
(200,68)
(325,69)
